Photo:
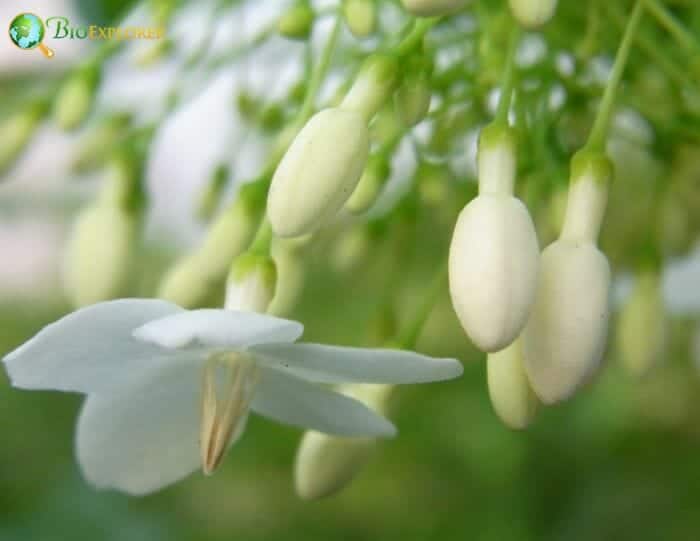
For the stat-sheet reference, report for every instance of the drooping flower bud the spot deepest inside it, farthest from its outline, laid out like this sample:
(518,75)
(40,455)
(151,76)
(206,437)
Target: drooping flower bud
(533,13)
(511,395)
(101,247)
(360,16)
(494,252)
(431,8)
(16,130)
(99,141)
(326,464)
(251,283)
(564,339)
(374,85)
(413,97)
(75,97)
(371,183)
(198,277)
(291,271)
(641,329)
(297,21)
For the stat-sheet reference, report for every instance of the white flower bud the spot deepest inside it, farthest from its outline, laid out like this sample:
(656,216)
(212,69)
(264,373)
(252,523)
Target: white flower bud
(494,252)
(99,254)
(564,339)
(319,172)
(185,285)
(360,16)
(533,13)
(511,395)
(641,329)
(75,98)
(325,464)
(430,8)
(251,283)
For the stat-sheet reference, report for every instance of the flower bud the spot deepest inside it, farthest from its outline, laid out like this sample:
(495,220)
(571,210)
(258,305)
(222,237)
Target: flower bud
(412,99)
(94,148)
(319,172)
(371,183)
(251,283)
(564,339)
(297,21)
(373,86)
(641,329)
(511,395)
(75,98)
(430,8)
(289,261)
(360,16)
(326,464)
(197,278)
(15,132)
(494,252)
(533,13)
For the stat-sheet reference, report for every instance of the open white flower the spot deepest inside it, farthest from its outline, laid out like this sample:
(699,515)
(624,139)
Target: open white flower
(169,389)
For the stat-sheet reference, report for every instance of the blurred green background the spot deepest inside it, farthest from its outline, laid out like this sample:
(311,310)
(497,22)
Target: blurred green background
(619,461)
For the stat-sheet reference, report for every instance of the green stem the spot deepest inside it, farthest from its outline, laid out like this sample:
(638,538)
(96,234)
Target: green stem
(319,73)
(508,77)
(669,22)
(263,238)
(415,37)
(599,132)
(409,337)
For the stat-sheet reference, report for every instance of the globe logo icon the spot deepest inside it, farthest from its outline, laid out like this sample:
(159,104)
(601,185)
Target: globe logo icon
(27,32)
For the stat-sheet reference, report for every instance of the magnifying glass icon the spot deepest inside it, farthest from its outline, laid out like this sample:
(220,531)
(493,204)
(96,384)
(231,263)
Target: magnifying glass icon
(27,32)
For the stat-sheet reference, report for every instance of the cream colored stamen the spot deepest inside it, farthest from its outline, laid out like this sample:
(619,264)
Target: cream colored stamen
(224,413)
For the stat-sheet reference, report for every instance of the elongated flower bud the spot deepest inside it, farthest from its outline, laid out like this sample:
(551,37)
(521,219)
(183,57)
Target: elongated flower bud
(641,329)
(361,16)
(93,149)
(533,13)
(198,277)
(370,186)
(565,336)
(100,250)
(511,395)
(297,21)
(251,283)
(412,99)
(75,98)
(373,86)
(431,8)
(15,132)
(326,464)
(494,252)
(319,172)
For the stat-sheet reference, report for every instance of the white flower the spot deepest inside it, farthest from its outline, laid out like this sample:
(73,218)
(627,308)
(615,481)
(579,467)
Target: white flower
(168,389)
(564,339)
(494,251)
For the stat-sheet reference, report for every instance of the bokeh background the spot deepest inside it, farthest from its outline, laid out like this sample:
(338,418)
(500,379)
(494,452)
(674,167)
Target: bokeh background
(619,461)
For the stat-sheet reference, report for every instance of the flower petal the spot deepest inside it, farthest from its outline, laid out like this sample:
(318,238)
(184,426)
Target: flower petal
(142,439)
(293,401)
(333,364)
(90,349)
(218,328)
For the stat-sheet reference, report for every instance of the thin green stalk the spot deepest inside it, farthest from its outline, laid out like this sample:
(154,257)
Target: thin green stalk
(598,135)
(508,77)
(319,73)
(415,37)
(409,337)
(681,34)
(263,238)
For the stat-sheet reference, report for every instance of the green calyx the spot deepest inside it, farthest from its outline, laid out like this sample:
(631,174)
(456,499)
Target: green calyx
(495,135)
(250,262)
(591,163)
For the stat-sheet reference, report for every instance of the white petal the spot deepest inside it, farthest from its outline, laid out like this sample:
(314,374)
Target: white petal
(218,328)
(293,401)
(143,439)
(90,349)
(333,364)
